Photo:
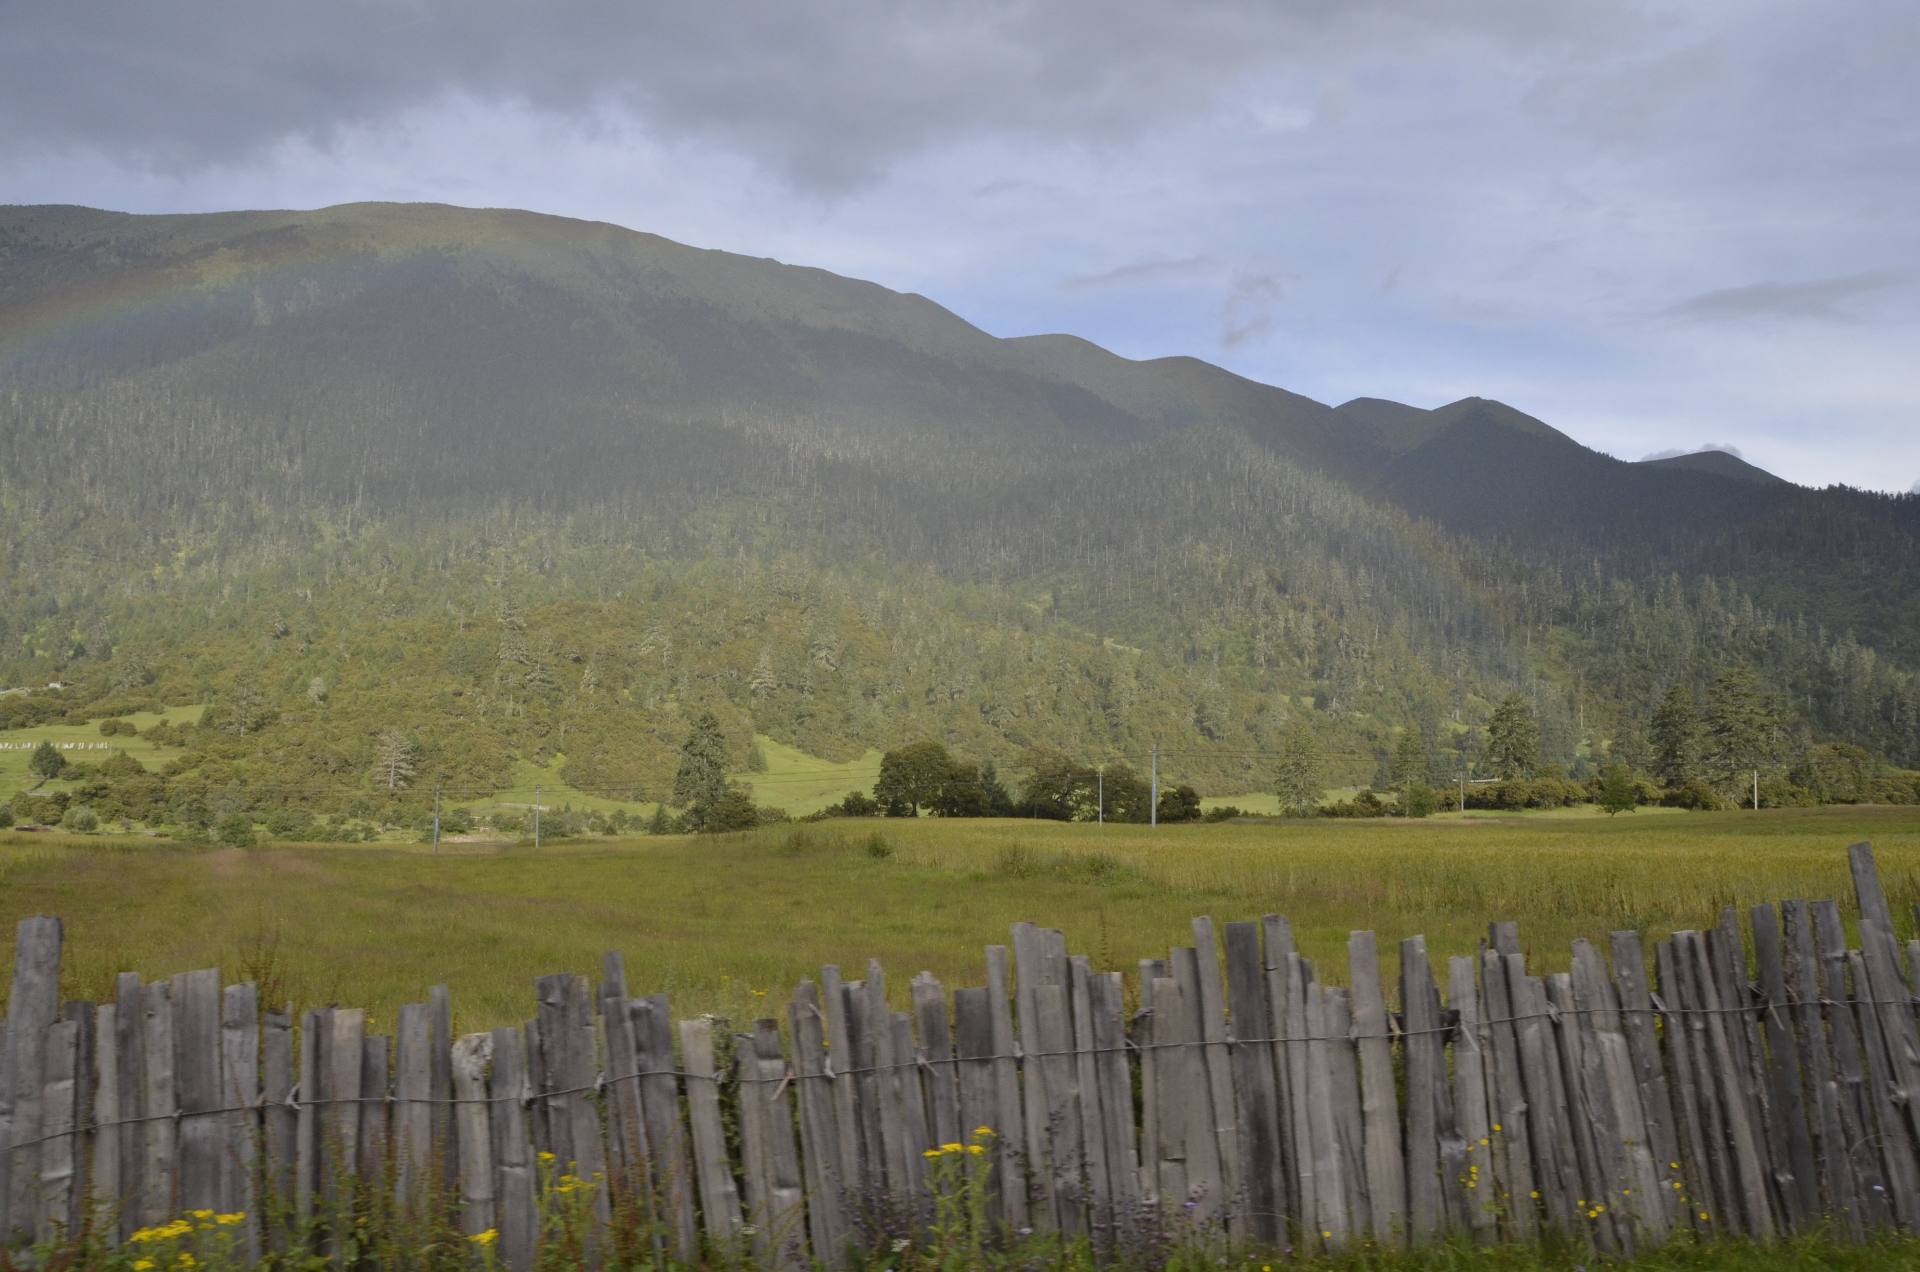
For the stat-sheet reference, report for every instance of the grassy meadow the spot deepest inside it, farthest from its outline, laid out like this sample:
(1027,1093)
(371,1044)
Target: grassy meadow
(16,745)
(729,923)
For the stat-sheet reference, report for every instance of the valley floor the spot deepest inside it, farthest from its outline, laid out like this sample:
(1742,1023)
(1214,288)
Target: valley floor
(730,923)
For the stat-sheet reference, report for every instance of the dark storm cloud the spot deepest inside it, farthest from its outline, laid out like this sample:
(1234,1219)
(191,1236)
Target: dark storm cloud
(829,95)
(1421,202)
(1825,298)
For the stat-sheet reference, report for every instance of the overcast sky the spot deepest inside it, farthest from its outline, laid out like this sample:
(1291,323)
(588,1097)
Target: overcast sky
(1654,226)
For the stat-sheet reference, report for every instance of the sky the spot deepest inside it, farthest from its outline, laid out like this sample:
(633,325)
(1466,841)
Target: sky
(1658,227)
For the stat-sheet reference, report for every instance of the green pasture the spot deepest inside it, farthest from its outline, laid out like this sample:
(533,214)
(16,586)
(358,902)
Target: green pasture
(730,923)
(802,783)
(19,743)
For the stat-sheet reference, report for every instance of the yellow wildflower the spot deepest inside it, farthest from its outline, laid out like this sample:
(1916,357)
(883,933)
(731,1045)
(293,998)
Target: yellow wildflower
(143,1265)
(975,1149)
(546,1157)
(486,1238)
(1535,1194)
(227,1221)
(186,1260)
(201,1214)
(1326,1235)
(1496,1128)
(931,1153)
(982,1132)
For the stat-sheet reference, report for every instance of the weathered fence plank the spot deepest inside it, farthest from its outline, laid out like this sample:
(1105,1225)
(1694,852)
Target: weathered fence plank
(1379,1106)
(719,1199)
(241,1130)
(471,1056)
(508,1089)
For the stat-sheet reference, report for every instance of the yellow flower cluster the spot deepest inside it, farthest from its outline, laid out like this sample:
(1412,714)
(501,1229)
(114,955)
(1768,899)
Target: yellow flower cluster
(944,1150)
(165,1232)
(975,1149)
(486,1238)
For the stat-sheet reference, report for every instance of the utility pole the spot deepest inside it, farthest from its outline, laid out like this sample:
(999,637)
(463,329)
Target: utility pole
(1756,790)
(536,817)
(1463,788)
(436,821)
(1100,799)
(1153,808)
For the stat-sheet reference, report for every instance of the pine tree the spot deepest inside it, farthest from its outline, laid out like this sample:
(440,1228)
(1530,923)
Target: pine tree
(246,706)
(701,781)
(1513,739)
(1301,780)
(1676,738)
(395,758)
(1743,731)
(1409,762)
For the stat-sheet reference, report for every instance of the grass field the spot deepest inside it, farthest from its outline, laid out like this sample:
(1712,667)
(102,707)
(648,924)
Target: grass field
(802,783)
(712,920)
(16,751)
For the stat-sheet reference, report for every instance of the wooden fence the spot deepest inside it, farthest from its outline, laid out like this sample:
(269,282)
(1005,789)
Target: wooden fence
(1734,1088)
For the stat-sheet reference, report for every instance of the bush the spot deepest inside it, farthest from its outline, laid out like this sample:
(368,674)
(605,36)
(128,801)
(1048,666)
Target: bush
(1224,813)
(878,848)
(1365,804)
(1179,804)
(1419,800)
(6,816)
(236,831)
(81,820)
(1695,795)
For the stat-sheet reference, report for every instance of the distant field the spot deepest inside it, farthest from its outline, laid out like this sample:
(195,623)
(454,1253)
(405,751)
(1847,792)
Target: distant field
(713,919)
(15,776)
(802,783)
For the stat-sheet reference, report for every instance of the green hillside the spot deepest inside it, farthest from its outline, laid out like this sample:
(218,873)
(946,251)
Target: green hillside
(529,494)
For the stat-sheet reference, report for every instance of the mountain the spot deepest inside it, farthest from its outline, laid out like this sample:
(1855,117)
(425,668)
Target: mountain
(1719,462)
(537,488)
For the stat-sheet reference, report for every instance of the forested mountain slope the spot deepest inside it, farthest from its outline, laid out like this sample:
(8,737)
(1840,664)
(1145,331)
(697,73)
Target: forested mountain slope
(531,487)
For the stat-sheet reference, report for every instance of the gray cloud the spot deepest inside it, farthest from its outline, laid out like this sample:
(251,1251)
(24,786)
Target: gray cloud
(1822,298)
(1138,272)
(1488,198)
(1248,313)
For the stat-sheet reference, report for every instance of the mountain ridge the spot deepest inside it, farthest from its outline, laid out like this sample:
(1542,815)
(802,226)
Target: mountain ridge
(215,424)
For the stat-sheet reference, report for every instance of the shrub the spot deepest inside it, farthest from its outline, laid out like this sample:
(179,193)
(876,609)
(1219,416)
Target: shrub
(80,819)
(878,848)
(1419,800)
(236,831)
(1224,813)
(6,816)
(1693,794)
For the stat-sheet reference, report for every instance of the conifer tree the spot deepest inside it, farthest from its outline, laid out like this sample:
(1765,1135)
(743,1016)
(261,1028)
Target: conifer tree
(1742,733)
(395,758)
(1676,737)
(1513,739)
(1301,780)
(700,784)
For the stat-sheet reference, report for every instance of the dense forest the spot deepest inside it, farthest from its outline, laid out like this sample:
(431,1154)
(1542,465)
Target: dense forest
(483,487)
